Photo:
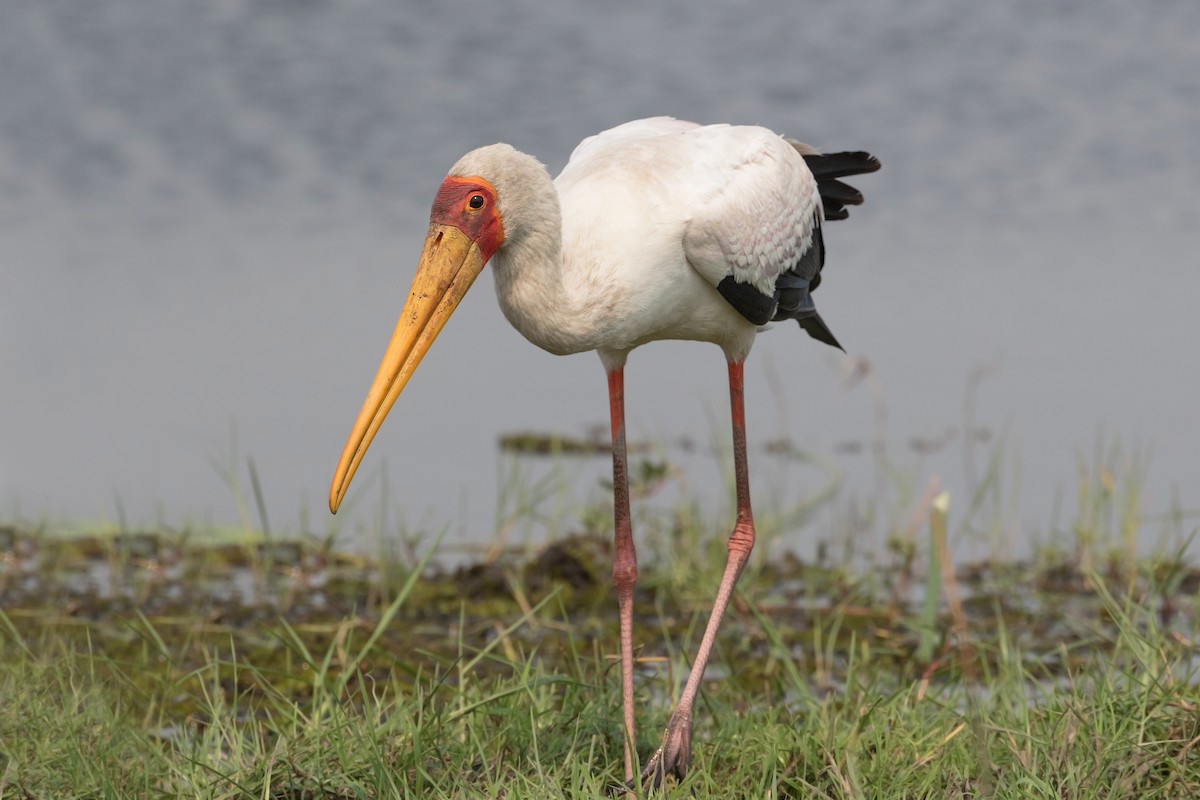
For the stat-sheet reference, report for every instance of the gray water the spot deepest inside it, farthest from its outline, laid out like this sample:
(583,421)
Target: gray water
(210,213)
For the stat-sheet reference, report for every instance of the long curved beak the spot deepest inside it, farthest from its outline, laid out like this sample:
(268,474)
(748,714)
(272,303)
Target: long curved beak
(449,265)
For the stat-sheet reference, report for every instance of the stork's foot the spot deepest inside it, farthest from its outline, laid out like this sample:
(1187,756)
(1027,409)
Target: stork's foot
(674,756)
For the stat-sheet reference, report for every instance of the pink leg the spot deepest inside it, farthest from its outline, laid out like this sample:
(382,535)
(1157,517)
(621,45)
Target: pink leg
(624,556)
(675,754)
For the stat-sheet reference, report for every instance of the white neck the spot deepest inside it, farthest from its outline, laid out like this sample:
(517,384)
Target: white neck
(528,266)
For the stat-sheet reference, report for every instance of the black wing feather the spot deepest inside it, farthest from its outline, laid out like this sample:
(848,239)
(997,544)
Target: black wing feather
(792,298)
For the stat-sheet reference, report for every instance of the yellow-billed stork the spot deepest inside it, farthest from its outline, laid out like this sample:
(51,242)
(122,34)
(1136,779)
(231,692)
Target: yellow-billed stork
(656,229)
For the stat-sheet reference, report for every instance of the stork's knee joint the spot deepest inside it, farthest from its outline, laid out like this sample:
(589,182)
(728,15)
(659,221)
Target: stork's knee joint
(624,576)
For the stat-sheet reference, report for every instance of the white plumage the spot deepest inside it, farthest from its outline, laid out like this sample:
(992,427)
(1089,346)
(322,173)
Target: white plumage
(655,229)
(652,215)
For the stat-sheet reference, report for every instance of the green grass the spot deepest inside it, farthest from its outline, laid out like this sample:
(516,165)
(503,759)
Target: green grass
(195,666)
(1114,716)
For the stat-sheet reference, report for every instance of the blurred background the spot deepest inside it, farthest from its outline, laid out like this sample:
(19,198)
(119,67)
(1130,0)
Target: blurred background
(210,214)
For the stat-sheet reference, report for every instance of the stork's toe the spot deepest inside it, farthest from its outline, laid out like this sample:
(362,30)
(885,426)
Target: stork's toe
(673,757)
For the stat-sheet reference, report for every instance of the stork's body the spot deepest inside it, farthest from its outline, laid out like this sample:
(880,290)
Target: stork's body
(651,217)
(656,229)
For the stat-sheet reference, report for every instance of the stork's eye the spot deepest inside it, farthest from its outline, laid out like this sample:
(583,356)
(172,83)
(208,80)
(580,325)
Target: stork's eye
(476,201)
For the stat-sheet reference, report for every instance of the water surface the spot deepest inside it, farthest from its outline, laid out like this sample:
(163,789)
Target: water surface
(210,212)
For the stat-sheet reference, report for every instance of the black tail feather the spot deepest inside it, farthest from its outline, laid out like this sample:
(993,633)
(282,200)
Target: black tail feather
(835,196)
(828,167)
(834,191)
(840,165)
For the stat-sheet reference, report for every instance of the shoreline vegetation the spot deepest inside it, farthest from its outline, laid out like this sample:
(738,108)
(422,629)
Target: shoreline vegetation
(192,664)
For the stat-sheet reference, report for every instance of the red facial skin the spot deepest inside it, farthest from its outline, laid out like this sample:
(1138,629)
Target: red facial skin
(482,225)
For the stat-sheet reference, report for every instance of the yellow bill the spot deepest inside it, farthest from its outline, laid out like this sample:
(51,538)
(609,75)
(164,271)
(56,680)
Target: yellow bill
(449,265)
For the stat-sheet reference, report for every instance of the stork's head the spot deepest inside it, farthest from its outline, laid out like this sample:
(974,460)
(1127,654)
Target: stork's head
(494,197)
(465,230)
